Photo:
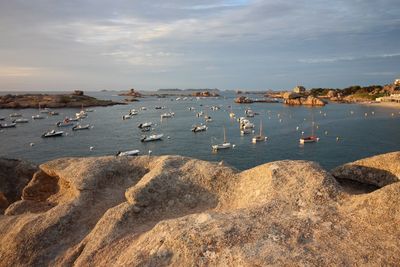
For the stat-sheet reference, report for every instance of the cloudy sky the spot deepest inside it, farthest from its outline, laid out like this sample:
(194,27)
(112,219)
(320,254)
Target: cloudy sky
(228,44)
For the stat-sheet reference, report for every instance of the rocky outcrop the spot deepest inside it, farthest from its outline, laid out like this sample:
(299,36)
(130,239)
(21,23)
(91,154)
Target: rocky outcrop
(300,100)
(379,170)
(74,100)
(205,94)
(177,211)
(14,176)
(132,93)
(243,100)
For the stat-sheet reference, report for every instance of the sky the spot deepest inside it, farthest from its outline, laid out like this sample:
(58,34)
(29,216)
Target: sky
(225,44)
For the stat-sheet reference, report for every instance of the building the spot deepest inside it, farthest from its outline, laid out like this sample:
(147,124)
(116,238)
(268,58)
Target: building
(394,97)
(299,89)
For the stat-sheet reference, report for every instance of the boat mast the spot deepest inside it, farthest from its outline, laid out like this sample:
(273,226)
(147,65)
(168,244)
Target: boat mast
(224,135)
(312,124)
(260,127)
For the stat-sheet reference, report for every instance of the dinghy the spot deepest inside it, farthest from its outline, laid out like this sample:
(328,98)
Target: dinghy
(153,137)
(129,153)
(199,128)
(22,120)
(52,133)
(37,117)
(81,127)
(8,125)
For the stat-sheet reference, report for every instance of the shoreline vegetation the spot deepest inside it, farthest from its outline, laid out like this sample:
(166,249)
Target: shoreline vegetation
(180,211)
(77,99)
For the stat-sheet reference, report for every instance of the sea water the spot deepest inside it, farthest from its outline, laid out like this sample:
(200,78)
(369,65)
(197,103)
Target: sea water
(347,132)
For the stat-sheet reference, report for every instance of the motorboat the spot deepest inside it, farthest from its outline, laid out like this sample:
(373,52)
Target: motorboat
(15,115)
(52,133)
(246,131)
(309,139)
(8,125)
(81,115)
(129,153)
(37,117)
(199,128)
(53,113)
(153,137)
(2,118)
(65,123)
(89,110)
(145,125)
(81,127)
(143,108)
(21,120)
(224,145)
(133,112)
(126,117)
(260,137)
(73,119)
(232,115)
(167,115)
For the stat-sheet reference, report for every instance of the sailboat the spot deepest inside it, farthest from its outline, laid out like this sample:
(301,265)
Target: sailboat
(260,137)
(224,145)
(312,138)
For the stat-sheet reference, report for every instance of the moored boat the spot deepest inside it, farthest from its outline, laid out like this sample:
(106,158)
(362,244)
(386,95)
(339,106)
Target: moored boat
(2,118)
(129,153)
(145,125)
(153,137)
(81,127)
(21,120)
(224,145)
(199,128)
(37,117)
(15,115)
(65,123)
(260,137)
(8,125)
(52,133)
(167,115)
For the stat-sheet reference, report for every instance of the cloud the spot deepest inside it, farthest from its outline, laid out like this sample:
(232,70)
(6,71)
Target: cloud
(9,71)
(347,58)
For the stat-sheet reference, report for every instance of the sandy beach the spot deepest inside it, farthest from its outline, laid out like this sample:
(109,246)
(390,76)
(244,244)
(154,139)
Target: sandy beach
(382,104)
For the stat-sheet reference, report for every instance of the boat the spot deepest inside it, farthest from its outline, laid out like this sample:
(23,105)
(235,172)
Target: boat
(81,127)
(246,124)
(153,137)
(133,112)
(126,117)
(52,133)
(21,120)
(53,113)
(199,128)
(246,131)
(143,108)
(8,125)
(15,115)
(73,119)
(232,115)
(167,115)
(37,117)
(2,118)
(260,137)
(224,145)
(145,125)
(129,153)
(81,115)
(65,123)
(312,138)
(89,110)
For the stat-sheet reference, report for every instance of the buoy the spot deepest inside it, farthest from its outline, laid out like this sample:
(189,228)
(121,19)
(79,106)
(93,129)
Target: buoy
(392,114)
(32,144)
(373,112)
(168,137)
(280,120)
(233,146)
(351,112)
(337,138)
(326,132)
(365,114)
(317,126)
(302,132)
(150,152)
(91,148)
(297,128)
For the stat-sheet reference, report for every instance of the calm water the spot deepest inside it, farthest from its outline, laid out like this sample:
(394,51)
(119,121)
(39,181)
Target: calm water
(360,136)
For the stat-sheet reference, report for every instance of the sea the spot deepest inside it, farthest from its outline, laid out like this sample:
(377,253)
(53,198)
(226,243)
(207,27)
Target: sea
(347,132)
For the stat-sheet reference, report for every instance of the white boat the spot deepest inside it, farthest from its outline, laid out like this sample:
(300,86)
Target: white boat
(224,145)
(8,125)
(81,115)
(260,137)
(143,108)
(199,128)
(15,115)
(37,117)
(145,125)
(53,113)
(246,124)
(52,133)
(126,117)
(246,131)
(199,114)
(89,110)
(231,114)
(81,127)
(153,137)
(167,115)
(133,112)
(73,119)
(129,153)
(21,120)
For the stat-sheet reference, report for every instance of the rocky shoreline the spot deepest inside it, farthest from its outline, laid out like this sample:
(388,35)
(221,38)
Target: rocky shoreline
(73,100)
(179,211)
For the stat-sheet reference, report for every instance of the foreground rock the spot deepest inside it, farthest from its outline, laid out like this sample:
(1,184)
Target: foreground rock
(75,100)
(14,176)
(171,210)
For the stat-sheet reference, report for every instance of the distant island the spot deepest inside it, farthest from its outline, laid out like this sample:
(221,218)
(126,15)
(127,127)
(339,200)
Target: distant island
(74,100)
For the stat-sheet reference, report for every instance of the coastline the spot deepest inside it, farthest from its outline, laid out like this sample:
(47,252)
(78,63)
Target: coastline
(381,104)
